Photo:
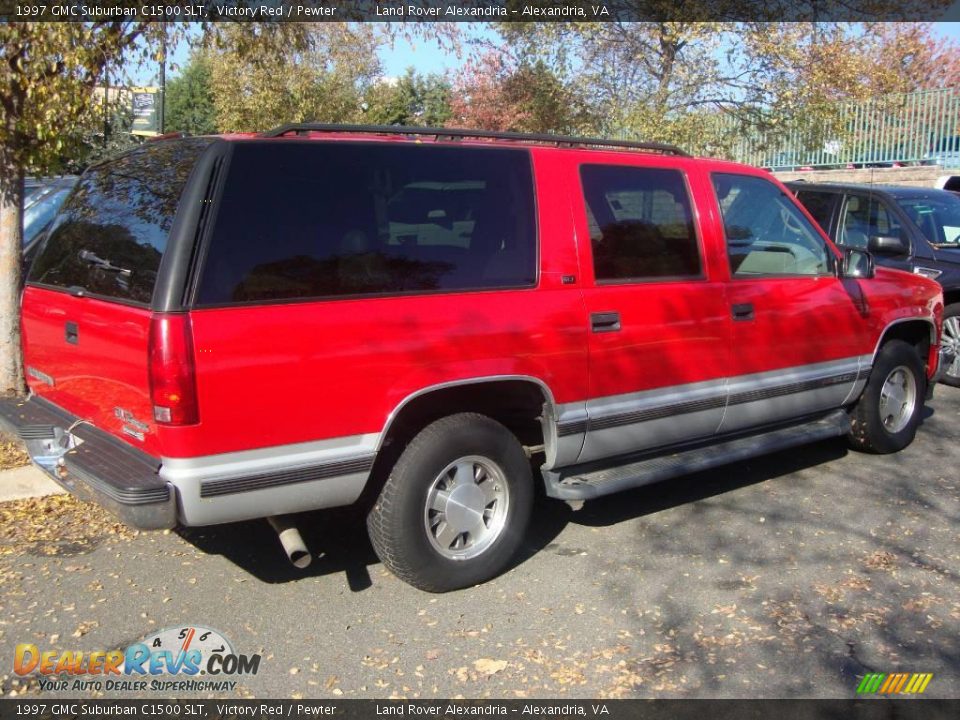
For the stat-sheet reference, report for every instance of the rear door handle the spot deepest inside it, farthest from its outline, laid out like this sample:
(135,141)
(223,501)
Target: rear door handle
(743,311)
(605,322)
(71,333)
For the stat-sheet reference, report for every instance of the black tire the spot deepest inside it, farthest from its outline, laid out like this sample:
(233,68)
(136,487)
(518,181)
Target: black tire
(396,524)
(951,312)
(868,432)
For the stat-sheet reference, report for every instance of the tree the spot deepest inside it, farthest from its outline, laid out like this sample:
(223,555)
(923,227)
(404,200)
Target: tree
(189,101)
(496,93)
(267,75)
(411,99)
(917,59)
(47,78)
(706,85)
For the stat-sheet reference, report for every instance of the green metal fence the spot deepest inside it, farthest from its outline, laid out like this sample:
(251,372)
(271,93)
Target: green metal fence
(921,128)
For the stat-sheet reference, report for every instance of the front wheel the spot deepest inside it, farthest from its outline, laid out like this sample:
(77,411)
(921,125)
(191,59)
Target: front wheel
(951,340)
(886,417)
(456,505)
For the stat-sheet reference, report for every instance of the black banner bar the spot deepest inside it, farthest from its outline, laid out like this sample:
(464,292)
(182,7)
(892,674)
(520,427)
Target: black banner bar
(875,709)
(473,10)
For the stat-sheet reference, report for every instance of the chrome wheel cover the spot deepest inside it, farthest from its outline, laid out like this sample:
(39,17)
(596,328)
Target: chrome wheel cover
(466,507)
(951,341)
(898,399)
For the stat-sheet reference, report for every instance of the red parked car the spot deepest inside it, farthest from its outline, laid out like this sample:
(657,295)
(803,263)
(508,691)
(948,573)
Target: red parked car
(225,328)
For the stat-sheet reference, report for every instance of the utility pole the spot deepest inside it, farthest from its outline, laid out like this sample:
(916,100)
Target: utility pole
(163,75)
(106,106)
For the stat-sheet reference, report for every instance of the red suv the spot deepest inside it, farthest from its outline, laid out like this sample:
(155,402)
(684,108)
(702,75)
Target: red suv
(431,321)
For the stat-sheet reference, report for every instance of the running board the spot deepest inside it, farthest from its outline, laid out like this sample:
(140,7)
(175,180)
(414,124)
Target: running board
(585,482)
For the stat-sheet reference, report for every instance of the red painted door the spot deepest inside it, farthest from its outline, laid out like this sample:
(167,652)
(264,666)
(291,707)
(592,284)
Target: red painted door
(798,332)
(658,320)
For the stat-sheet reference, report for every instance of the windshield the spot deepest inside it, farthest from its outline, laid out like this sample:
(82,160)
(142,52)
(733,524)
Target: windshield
(938,218)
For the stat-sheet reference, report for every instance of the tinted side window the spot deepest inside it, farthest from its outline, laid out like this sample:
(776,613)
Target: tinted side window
(640,223)
(766,232)
(865,217)
(820,205)
(313,219)
(112,231)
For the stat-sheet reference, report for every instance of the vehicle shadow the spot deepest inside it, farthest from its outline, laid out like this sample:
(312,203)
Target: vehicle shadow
(339,540)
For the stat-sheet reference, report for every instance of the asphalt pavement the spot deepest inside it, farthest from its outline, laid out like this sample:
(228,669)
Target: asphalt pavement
(789,576)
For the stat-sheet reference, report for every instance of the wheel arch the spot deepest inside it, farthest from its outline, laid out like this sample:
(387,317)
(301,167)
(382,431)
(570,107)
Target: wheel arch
(472,394)
(532,419)
(921,332)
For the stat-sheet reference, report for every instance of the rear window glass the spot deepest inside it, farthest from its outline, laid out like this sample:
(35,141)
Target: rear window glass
(313,220)
(112,231)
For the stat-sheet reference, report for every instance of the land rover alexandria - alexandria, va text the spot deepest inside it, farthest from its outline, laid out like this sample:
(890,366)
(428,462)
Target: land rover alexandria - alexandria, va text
(431,323)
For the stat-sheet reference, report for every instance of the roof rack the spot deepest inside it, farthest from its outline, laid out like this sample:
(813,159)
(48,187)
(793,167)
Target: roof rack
(460,133)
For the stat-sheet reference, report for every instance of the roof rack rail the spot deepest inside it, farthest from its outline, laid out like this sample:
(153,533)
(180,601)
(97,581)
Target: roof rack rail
(459,133)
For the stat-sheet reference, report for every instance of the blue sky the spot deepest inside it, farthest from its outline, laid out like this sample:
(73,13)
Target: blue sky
(426,57)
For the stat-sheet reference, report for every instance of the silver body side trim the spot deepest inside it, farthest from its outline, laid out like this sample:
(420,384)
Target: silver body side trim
(571,430)
(190,475)
(621,424)
(635,422)
(788,393)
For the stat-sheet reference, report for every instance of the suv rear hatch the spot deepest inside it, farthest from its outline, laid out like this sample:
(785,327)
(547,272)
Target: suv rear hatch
(86,306)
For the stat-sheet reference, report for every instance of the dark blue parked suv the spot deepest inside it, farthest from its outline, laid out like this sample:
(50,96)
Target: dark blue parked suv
(909,228)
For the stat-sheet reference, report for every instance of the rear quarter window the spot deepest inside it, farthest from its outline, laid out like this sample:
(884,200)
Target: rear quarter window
(112,231)
(305,220)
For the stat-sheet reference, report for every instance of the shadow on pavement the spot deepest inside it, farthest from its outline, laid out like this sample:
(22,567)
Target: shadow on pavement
(338,538)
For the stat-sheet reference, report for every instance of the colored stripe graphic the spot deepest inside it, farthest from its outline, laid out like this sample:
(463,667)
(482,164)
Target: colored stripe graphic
(888,683)
(894,683)
(864,686)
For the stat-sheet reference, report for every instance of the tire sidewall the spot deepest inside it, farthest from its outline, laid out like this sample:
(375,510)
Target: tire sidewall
(419,466)
(895,353)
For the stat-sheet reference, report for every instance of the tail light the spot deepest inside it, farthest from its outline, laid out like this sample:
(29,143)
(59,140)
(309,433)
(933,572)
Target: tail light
(173,383)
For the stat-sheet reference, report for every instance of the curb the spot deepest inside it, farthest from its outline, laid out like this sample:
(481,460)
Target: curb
(24,482)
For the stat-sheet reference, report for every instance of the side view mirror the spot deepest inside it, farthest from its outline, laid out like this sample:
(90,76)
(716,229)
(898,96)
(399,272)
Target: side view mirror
(888,245)
(857,264)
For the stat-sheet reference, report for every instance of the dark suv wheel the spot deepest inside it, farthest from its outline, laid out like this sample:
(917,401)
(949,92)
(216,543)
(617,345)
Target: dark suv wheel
(951,340)
(455,507)
(886,417)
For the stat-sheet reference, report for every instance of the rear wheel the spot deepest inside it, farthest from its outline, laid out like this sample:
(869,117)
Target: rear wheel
(951,340)
(886,417)
(455,507)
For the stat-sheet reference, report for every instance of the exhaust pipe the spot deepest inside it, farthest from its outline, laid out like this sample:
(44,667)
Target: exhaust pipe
(291,540)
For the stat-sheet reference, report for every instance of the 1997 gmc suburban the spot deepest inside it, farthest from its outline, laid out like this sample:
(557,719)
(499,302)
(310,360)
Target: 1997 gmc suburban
(225,328)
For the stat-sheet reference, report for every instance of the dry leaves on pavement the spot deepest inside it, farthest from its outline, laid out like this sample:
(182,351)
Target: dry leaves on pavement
(12,453)
(55,525)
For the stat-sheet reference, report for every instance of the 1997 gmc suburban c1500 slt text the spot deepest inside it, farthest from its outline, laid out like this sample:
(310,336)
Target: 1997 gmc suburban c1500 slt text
(225,328)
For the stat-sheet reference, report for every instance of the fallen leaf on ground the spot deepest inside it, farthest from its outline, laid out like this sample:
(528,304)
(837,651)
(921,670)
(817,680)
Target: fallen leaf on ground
(489,667)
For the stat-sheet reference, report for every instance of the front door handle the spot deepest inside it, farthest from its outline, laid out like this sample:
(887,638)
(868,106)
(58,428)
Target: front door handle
(605,322)
(71,333)
(742,312)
